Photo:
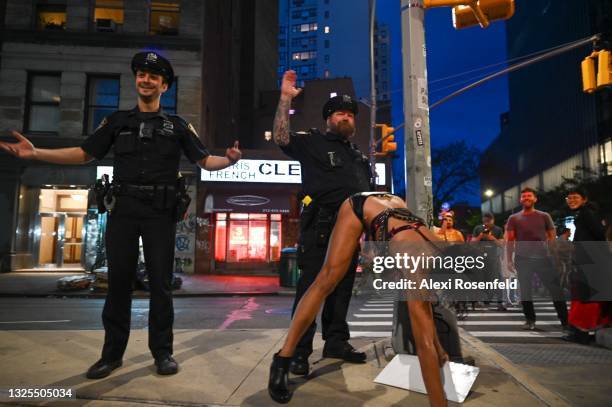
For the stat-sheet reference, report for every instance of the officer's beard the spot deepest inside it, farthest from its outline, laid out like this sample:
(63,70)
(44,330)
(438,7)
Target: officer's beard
(343,128)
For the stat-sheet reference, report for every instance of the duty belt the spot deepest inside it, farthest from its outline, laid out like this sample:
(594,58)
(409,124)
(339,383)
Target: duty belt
(135,189)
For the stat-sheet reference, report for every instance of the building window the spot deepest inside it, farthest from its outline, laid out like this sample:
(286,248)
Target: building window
(168,99)
(326,14)
(326,74)
(327,29)
(42,104)
(108,15)
(304,42)
(304,56)
(305,27)
(326,43)
(51,16)
(326,59)
(247,237)
(164,18)
(102,100)
(304,14)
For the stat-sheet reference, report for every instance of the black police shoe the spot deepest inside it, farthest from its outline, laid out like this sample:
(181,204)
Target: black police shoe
(345,351)
(166,365)
(102,368)
(278,383)
(299,365)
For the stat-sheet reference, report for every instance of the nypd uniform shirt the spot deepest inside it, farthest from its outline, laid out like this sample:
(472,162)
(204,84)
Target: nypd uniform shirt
(147,146)
(332,168)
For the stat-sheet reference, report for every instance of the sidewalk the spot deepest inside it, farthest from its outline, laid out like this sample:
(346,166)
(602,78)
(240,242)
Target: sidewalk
(222,368)
(43,284)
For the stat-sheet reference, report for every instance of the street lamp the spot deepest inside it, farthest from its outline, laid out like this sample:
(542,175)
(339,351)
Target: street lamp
(489,194)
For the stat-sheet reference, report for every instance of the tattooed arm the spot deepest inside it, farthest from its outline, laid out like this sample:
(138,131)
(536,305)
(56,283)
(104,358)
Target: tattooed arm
(281,119)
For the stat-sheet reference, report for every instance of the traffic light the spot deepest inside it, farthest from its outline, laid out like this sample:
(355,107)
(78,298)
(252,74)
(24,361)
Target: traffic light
(388,143)
(604,69)
(482,12)
(589,83)
(592,80)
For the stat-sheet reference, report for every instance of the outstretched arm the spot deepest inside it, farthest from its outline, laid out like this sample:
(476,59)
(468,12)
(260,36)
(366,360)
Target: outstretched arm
(25,149)
(280,131)
(215,162)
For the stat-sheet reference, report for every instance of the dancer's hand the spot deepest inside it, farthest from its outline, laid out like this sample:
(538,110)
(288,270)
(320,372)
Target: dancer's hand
(442,355)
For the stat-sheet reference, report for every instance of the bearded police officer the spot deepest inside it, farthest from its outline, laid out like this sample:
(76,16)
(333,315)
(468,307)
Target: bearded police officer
(142,202)
(332,170)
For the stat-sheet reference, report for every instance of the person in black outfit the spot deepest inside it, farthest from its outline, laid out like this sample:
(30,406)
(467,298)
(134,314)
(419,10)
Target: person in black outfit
(147,148)
(491,238)
(332,170)
(584,315)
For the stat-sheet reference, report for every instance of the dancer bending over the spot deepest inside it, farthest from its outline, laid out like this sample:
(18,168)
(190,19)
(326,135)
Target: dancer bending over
(384,217)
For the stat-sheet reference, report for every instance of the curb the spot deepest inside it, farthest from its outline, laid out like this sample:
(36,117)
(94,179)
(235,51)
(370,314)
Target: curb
(145,296)
(522,378)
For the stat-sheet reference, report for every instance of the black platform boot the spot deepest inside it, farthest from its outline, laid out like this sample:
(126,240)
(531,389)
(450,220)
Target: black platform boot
(278,385)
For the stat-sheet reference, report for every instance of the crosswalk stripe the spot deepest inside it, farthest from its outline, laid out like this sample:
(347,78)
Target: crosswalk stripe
(370,334)
(505,322)
(515,334)
(375,309)
(370,323)
(373,315)
(375,305)
(505,314)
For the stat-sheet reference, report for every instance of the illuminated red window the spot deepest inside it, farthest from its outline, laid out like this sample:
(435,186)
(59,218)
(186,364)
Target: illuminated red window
(247,237)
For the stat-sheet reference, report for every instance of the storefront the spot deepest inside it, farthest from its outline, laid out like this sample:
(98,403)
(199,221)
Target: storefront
(55,222)
(58,226)
(246,214)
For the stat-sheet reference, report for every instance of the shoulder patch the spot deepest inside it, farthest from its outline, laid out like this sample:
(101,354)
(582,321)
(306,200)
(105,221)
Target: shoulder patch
(192,129)
(103,123)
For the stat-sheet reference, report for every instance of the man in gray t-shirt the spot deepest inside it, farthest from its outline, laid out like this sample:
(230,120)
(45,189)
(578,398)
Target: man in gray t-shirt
(528,233)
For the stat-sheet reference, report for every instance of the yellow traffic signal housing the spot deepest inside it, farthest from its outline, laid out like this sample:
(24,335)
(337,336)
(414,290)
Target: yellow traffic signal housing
(481,12)
(388,145)
(588,75)
(604,69)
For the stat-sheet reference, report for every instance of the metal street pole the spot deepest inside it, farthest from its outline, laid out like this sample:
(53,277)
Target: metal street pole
(416,139)
(416,111)
(372,152)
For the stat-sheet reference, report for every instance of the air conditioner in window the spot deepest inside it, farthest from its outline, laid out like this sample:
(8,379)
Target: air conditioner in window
(106,24)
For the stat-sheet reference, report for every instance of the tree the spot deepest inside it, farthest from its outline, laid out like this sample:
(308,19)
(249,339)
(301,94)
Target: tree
(455,171)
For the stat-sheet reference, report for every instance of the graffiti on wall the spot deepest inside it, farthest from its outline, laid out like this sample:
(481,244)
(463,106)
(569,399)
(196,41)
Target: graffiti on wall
(184,251)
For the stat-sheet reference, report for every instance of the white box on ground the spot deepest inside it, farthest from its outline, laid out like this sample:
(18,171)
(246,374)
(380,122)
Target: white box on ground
(404,371)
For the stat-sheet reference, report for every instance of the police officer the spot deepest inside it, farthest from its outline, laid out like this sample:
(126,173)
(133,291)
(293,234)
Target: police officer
(332,170)
(147,145)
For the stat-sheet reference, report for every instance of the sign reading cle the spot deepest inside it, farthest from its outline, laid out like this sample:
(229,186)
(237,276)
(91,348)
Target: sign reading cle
(270,172)
(265,171)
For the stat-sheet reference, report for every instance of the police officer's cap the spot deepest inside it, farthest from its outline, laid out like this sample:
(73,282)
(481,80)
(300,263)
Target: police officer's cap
(155,63)
(341,102)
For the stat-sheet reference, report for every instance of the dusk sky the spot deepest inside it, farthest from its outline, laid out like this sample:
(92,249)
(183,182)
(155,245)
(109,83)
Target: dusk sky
(473,116)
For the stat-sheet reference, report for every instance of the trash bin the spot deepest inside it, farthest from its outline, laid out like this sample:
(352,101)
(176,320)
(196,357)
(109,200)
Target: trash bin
(288,269)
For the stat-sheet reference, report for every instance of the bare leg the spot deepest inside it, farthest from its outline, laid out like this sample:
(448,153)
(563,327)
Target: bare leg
(342,245)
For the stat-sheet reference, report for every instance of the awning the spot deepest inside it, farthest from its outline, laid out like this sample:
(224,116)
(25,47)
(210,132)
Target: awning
(226,201)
